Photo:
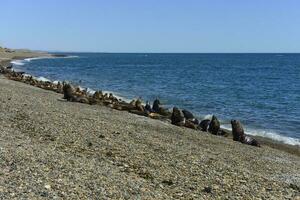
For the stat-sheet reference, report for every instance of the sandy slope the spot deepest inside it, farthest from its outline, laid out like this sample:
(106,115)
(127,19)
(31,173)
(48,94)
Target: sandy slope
(51,148)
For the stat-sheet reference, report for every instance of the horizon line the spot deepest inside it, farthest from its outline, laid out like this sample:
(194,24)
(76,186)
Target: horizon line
(169,52)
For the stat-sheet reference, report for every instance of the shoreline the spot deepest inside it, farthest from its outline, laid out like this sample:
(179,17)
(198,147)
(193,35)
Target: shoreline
(58,149)
(294,149)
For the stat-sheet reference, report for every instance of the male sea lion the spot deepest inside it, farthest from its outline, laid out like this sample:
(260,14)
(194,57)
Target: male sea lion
(239,134)
(188,114)
(177,117)
(237,130)
(68,92)
(156,105)
(214,125)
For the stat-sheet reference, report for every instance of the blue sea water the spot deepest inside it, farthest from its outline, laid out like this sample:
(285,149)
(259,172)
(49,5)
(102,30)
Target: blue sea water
(260,90)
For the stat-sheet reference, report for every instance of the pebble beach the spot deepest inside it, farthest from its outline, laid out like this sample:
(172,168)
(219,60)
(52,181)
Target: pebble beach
(54,149)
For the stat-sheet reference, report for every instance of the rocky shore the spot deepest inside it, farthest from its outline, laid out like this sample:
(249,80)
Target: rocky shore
(51,148)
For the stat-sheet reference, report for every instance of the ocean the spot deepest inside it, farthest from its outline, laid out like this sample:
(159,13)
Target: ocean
(260,90)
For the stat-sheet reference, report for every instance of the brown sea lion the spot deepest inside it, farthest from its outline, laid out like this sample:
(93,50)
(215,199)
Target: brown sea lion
(250,141)
(98,95)
(214,125)
(68,91)
(177,117)
(190,124)
(59,88)
(237,130)
(239,134)
(164,112)
(139,106)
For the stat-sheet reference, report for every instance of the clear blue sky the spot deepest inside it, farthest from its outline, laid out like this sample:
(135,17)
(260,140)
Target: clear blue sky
(151,25)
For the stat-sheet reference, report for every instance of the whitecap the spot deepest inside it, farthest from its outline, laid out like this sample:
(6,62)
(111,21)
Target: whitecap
(267,134)
(43,79)
(17,62)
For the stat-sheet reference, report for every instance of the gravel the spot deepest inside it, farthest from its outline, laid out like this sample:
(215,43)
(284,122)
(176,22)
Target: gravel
(52,149)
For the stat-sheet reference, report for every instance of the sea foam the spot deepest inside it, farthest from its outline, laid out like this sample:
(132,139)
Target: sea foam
(267,134)
(17,62)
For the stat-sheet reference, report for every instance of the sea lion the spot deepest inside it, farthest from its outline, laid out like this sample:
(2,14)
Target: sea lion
(132,102)
(237,130)
(68,91)
(98,95)
(156,105)
(214,125)
(187,114)
(190,124)
(82,100)
(148,107)
(204,124)
(164,112)
(250,141)
(177,117)
(105,96)
(139,106)
(239,134)
(59,88)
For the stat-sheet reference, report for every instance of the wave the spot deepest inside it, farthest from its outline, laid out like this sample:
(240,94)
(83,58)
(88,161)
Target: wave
(23,62)
(268,134)
(41,78)
(49,57)
(18,62)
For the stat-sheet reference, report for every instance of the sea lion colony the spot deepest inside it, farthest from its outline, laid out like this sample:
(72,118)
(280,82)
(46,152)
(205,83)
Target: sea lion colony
(177,117)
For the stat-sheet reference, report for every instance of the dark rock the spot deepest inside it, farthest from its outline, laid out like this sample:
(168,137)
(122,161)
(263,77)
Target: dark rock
(177,117)
(167,182)
(207,189)
(101,136)
(203,126)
